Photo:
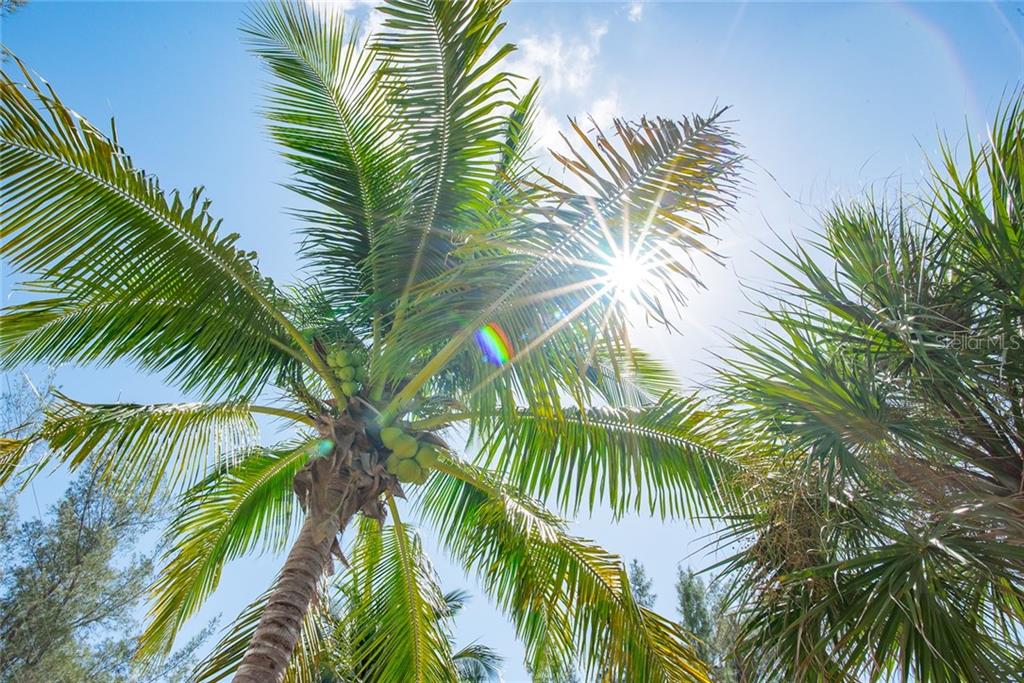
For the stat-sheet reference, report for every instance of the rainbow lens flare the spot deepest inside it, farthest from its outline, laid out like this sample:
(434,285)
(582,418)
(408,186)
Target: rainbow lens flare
(494,343)
(324,447)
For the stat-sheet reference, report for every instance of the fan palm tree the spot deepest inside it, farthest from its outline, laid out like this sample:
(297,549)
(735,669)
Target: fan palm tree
(450,291)
(881,415)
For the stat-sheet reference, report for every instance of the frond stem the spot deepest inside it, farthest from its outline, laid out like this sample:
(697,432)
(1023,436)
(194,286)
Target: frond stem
(283,412)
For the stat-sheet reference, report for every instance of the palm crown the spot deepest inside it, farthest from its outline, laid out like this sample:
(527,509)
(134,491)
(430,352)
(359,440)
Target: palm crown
(429,228)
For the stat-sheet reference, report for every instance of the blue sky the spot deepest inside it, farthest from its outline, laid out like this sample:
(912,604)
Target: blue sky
(829,100)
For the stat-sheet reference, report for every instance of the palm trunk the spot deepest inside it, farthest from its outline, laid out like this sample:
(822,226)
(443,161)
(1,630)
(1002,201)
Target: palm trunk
(272,644)
(332,490)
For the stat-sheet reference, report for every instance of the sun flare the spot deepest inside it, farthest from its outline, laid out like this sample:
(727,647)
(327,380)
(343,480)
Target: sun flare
(626,273)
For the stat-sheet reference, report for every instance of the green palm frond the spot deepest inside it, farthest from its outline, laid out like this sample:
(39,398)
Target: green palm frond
(569,599)
(630,377)
(449,94)
(391,612)
(516,148)
(661,457)
(152,446)
(12,454)
(330,115)
(978,203)
(128,271)
(657,193)
(918,600)
(237,509)
(305,664)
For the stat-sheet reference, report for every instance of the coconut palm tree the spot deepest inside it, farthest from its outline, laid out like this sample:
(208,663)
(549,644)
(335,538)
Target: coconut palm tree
(452,295)
(882,418)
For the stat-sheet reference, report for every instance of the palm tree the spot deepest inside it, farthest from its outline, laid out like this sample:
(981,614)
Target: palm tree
(450,291)
(881,414)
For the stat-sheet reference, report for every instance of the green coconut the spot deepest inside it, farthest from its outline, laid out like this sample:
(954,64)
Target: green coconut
(350,388)
(392,463)
(408,471)
(422,478)
(346,374)
(342,358)
(361,374)
(406,447)
(427,455)
(390,436)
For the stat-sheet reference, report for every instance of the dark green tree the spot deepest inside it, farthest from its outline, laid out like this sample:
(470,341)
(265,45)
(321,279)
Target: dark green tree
(69,585)
(642,585)
(68,593)
(703,610)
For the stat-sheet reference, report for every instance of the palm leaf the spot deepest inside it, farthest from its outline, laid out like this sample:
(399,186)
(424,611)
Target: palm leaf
(438,66)
(570,600)
(545,275)
(331,118)
(391,615)
(129,271)
(235,510)
(662,457)
(154,445)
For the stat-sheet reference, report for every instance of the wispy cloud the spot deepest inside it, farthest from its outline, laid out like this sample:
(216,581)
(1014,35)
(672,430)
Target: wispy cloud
(635,10)
(604,109)
(350,10)
(563,64)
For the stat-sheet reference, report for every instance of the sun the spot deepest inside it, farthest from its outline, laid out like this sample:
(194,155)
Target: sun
(626,273)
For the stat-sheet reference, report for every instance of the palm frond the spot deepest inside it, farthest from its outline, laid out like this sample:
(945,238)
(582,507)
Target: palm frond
(629,377)
(545,273)
(152,446)
(391,614)
(662,457)
(569,599)
(235,510)
(128,270)
(478,664)
(331,118)
(866,603)
(444,81)
(883,533)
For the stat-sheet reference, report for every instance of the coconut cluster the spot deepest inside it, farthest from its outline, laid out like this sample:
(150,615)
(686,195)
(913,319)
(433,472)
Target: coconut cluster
(350,369)
(410,460)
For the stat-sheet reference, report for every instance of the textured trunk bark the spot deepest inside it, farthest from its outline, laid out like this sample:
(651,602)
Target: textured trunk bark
(331,490)
(272,644)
